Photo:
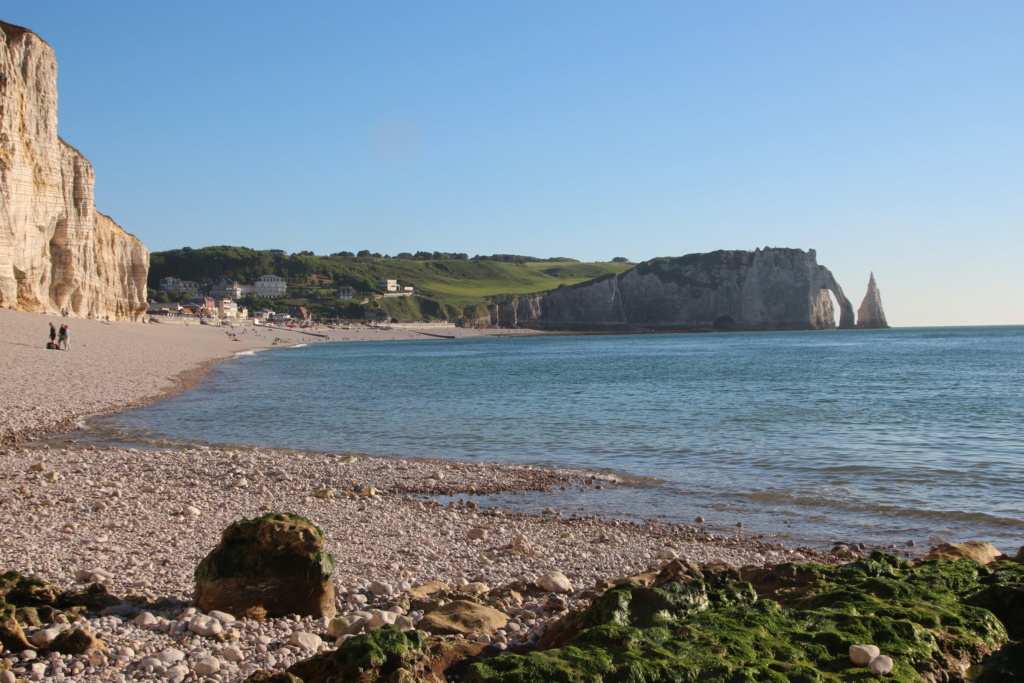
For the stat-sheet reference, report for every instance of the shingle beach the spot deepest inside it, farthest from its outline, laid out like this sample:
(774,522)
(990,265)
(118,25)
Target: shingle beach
(139,521)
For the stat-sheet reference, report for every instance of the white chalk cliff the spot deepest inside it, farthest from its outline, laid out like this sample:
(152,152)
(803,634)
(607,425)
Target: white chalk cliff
(764,289)
(56,250)
(870,314)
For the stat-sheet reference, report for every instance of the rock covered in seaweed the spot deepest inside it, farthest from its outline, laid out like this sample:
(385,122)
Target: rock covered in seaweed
(388,654)
(268,567)
(713,624)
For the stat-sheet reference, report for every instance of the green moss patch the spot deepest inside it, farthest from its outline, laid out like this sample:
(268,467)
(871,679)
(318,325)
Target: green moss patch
(269,545)
(712,624)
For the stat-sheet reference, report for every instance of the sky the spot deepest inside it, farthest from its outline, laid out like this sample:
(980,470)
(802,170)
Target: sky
(886,135)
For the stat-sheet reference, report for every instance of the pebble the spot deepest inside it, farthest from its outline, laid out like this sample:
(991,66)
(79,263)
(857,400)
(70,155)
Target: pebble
(206,666)
(554,582)
(861,655)
(205,625)
(233,654)
(306,641)
(170,655)
(880,665)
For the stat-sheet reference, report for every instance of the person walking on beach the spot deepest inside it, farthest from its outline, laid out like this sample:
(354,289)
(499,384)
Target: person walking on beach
(62,338)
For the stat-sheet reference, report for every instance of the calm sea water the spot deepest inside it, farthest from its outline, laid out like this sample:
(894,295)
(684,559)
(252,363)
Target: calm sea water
(880,436)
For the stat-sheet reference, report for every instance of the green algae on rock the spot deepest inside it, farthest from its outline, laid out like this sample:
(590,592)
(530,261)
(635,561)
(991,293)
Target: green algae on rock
(268,567)
(11,636)
(387,654)
(712,624)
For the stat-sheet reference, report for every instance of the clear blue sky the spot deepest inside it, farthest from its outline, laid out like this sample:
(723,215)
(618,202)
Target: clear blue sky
(887,135)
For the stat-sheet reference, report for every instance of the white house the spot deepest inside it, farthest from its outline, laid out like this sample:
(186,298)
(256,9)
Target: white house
(269,286)
(388,285)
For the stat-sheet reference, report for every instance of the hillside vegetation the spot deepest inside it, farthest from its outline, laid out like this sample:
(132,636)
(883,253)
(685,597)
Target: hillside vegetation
(446,287)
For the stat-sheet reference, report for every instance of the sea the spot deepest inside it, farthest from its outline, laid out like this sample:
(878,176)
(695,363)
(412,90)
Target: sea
(880,437)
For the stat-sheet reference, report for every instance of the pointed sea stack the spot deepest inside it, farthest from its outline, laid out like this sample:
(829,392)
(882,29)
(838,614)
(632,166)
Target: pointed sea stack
(870,315)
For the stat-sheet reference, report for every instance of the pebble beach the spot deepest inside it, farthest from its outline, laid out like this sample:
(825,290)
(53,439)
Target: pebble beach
(140,520)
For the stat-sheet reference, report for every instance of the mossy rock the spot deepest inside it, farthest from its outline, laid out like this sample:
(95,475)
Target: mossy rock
(1004,666)
(28,616)
(11,636)
(710,625)
(25,591)
(94,598)
(75,641)
(388,654)
(268,567)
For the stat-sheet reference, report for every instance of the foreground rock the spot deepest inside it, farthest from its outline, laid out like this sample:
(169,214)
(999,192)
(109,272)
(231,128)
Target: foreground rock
(928,621)
(389,654)
(976,551)
(463,617)
(268,567)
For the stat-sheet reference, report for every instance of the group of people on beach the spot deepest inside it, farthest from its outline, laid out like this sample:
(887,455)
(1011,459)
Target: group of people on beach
(58,339)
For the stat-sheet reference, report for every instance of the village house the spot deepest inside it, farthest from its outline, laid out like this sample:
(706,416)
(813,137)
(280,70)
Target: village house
(173,284)
(227,288)
(388,285)
(201,305)
(172,309)
(270,286)
(345,292)
(226,308)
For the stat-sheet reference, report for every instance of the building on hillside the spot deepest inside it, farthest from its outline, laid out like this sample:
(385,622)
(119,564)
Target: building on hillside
(270,286)
(226,308)
(173,284)
(345,292)
(226,288)
(278,252)
(407,289)
(301,313)
(203,305)
(388,285)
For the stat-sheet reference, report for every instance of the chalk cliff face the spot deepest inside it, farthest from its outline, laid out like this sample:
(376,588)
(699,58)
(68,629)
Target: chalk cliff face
(765,289)
(56,250)
(870,314)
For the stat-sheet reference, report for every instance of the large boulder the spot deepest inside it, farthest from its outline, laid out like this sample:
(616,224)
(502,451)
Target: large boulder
(268,567)
(977,551)
(462,617)
(388,654)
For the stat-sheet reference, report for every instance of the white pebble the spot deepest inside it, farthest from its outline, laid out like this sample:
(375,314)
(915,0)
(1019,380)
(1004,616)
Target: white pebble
(880,665)
(861,655)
